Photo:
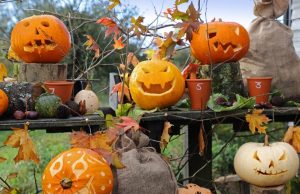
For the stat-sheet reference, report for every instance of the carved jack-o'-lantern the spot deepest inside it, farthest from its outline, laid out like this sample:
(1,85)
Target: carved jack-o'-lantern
(266,164)
(193,189)
(40,39)
(217,42)
(78,171)
(156,83)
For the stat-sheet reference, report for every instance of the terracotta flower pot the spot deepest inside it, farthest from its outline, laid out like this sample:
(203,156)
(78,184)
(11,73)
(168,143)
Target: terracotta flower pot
(259,87)
(199,92)
(62,89)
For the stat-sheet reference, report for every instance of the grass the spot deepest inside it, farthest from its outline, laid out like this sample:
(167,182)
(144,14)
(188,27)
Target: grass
(48,145)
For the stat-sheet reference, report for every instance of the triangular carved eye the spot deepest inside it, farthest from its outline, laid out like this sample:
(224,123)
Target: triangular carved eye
(212,34)
(255,156)
(237,31)
(283,156)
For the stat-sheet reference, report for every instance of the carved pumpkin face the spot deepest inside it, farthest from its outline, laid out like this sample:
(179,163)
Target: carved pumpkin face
(156,83)
(78,171)
(193,189)
(220,41)
(266,165)
(3,102)
(40,39)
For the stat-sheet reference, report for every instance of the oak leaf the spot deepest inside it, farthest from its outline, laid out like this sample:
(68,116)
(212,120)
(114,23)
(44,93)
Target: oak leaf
(91,44)
(165,137)
(292,136)
(3,72)
(137,26)
(113,4)
(118,43)
(112,27)
(21,139)
(257,120)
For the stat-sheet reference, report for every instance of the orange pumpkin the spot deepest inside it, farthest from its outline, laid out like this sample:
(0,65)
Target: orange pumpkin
(77,171)
(40,39)
(156,83)
(3,102)
(217,42)
(193,189)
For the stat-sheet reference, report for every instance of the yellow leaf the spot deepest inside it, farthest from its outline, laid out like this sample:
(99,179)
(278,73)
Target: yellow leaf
(11,55)
(21,139)
(292,136)
(150,53)
(116,161)
(257,120)
(119,43)
(3,72)
(165,137)
(92,45)
(113,4)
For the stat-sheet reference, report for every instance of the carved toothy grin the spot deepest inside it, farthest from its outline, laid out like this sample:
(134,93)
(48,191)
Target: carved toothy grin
(156,88)
(226,47)
(269,173)
(40,44)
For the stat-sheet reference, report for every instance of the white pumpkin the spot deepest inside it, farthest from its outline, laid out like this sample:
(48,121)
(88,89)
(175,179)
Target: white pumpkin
(265,164)
(91,99)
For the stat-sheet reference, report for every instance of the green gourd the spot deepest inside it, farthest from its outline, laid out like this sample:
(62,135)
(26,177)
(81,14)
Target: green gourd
(47,104)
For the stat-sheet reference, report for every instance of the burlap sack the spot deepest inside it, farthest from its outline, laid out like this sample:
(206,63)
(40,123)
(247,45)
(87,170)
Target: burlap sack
(146,172)
(271,51)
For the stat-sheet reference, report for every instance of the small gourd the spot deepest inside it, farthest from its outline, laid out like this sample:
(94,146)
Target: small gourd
(47,104)
(91,99)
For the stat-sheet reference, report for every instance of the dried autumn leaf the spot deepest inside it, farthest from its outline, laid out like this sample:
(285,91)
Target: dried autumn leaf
(119,88)
(201,140)
(112,27)
(100,140)
(21,139)
(80,139)
(3,72)
(292,136)
(2,159)
(190,71)
(165,137)
(127,124)
(92,45)
(122,67)
(116,161)
(118,43)
(132,59)
(137,26)
(257,120)
(178,2)
(113,4)
(12,175)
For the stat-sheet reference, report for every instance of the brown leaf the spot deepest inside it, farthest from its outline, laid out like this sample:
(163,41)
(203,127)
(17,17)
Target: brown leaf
(92,45)
(165,137)
(201,140)
(100,140)
(113,4)
(80,139)
(292,136)
(257,120)
(21,139)
(3,72)
(132,59)
(12,175)
(118,43)
(112,27)
(2,159)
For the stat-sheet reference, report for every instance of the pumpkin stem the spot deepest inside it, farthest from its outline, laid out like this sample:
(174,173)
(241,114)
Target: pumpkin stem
(66,183)
(266,143)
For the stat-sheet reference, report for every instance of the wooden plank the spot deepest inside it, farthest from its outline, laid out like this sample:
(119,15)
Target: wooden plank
(92,120)
(267,190)
(32,72)
(231,184)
